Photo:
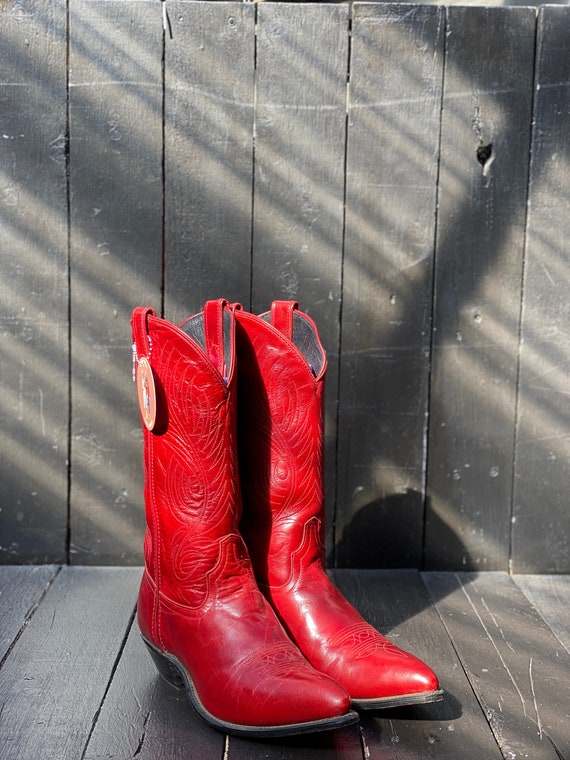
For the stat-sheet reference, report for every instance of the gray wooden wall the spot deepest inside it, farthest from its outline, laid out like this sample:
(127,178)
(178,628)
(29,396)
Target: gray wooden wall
(401,170)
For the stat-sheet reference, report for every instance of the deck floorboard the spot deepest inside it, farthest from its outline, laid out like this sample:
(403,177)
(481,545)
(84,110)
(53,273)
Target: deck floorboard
(514,662)
(76,681)
(550,595)
(21,590)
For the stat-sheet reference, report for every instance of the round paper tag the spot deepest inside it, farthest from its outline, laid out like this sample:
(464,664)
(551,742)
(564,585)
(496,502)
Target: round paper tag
(146,392)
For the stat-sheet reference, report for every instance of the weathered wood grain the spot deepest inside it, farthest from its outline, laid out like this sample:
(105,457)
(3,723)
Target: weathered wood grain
(144,717)
(517,667)
(208,154)
(300,122)
(541,520)
(391,182)
(78,682)
(115,107)
(269,179)
(59,669)
(485,138)
(397,603)
(300,131)
(33,261)
(550,595)
(21,590)
(343,744)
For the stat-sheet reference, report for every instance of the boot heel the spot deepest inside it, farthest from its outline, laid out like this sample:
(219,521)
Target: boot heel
(166,667)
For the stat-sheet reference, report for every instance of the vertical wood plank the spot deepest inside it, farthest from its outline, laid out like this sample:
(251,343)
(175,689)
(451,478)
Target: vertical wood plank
(541,528)
(518,670)
(115,102)
(393,137)
(480,238)
(34,357)
(61,665)
(208,154)
(300,127)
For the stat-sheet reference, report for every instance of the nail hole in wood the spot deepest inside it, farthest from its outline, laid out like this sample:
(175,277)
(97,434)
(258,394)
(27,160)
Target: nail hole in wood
(484,153)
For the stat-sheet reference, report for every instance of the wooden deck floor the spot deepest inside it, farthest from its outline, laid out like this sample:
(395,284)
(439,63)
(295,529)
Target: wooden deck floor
(76,682)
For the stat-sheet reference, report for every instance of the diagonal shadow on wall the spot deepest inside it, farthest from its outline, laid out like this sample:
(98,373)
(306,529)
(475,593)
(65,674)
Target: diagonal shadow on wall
(458,363)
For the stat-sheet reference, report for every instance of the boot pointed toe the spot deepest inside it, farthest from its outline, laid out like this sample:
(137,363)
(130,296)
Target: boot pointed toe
(395,685)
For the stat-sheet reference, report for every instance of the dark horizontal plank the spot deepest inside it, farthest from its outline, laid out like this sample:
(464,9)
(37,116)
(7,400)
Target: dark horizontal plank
(515,664)
(144,717)
(21,590)
(75,685)
(344,744)
(399,606)
(57,673)
(550,595)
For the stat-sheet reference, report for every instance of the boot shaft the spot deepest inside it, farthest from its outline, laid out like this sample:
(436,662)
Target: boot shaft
(281,383)
(187,386)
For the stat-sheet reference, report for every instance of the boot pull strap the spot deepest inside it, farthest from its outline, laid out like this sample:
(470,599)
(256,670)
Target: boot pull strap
(139,326)
(282,316)
(214,333)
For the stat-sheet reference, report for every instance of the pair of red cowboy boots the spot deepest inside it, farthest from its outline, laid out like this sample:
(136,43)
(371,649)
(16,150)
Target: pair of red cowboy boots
(239,610)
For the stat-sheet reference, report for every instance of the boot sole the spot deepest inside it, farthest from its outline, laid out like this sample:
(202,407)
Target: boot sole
(174,673)
(384,703)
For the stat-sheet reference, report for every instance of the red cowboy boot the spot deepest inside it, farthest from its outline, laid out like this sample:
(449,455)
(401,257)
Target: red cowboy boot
(207,626)
(281,378)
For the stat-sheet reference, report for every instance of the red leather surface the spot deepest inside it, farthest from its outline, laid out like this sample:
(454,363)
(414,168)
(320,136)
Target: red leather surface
(199,600)
(281,440)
